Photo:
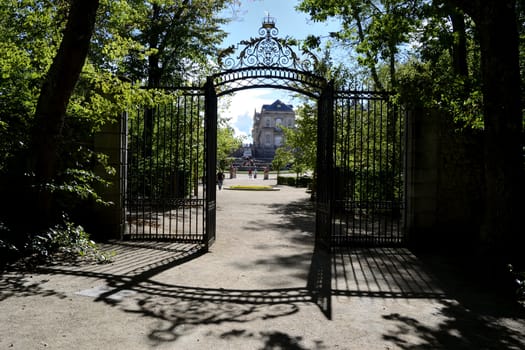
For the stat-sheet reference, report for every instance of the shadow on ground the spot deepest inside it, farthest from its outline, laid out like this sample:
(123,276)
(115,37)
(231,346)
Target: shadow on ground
(178,310)
(296,217)
(478,314)
(468,317)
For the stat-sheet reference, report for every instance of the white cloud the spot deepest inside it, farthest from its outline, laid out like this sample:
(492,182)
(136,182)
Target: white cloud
(240,107)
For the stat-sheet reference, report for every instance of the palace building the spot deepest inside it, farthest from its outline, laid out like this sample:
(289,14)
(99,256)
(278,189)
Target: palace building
(267,133)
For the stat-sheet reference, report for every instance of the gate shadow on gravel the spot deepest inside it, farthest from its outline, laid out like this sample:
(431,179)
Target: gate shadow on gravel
(383,273)
(128,284)
(297,217)
(179,309)
(476,314)
(472,316)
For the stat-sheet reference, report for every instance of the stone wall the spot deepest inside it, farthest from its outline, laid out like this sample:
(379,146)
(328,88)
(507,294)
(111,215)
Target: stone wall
(444,181)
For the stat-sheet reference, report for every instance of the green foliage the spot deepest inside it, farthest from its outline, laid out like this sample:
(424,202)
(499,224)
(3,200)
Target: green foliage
(414,46)
(134,43)
(79,184)
(64,241)
(281,159)
(68,240)
(301,141)
(299,181)
(376,30)
(30,32)
(227,143)
(161,42)
(422,85)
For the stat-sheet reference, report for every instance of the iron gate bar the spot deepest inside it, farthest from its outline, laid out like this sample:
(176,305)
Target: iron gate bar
(325,168)
(368,140)
(165,199)
(211,160)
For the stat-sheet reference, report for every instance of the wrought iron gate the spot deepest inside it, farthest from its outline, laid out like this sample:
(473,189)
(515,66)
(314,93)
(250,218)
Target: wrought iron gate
(171,159)
(166,167)
(368,166)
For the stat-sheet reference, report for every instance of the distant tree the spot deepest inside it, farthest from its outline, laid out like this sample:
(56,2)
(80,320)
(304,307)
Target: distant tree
(301,141)
(281,159)
(227,143)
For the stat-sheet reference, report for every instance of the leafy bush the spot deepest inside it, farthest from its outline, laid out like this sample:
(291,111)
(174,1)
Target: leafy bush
(302,181)
(64,241)
(519,279)
(69,240)
(281,180)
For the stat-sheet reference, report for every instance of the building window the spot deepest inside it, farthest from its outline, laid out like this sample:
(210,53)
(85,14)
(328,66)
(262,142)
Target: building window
(267,122)
(268,139)
(278,121)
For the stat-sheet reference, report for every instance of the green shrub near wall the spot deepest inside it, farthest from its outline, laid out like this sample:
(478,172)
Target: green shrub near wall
(293,181)
(281,180)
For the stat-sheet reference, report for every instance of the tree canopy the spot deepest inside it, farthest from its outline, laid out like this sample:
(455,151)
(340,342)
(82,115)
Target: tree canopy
(68,69)
(461,57)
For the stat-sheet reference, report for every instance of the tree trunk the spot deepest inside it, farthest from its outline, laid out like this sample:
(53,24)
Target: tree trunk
(503,124)
(504,227)
(459,43)
(375,77)
(54,98)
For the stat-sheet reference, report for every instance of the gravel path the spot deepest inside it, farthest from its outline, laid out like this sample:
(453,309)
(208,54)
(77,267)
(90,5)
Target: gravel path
(257,288)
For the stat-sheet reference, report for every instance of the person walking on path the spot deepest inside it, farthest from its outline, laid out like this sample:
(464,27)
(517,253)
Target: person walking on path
(266,173)
(250,174)
(220,179)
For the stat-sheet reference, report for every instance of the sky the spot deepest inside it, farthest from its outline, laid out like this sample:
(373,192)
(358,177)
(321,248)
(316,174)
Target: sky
(240,108)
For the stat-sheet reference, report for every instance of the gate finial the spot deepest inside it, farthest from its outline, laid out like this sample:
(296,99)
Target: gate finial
(268,22)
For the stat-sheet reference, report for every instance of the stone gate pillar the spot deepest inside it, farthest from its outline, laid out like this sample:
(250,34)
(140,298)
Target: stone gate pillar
(422,175)
(111,141)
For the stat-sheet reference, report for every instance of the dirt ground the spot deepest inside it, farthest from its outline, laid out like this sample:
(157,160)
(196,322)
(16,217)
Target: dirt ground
(261,286)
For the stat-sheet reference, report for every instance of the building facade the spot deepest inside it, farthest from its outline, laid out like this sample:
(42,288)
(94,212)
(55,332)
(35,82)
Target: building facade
(267,133)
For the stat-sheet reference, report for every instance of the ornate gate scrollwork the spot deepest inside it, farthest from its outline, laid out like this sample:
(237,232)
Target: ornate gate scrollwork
(267,51)
(268,62)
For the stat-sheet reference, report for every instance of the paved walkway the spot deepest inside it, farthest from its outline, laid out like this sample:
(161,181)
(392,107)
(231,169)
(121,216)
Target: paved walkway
(260,287)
